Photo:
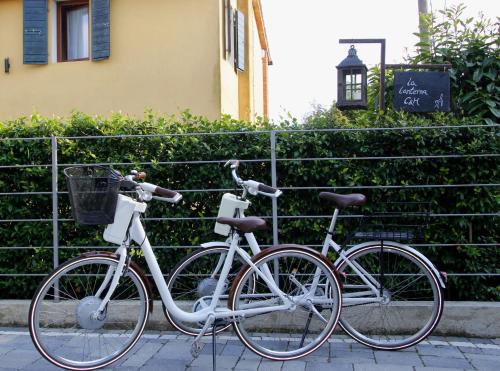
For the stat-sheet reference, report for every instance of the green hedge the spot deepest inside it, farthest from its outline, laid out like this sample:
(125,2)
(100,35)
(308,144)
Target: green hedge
(249,145)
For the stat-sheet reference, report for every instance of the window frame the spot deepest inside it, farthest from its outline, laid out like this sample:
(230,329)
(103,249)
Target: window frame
(62,7)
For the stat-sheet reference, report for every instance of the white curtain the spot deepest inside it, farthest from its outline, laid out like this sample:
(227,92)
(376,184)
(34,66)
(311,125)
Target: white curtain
(78,33)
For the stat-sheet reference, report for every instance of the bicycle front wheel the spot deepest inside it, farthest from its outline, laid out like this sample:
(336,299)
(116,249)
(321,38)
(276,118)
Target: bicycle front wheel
(64,322)
(308,286)
(410,299)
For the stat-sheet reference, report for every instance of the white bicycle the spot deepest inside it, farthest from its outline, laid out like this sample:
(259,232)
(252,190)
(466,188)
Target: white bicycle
(387,286)
(91,310)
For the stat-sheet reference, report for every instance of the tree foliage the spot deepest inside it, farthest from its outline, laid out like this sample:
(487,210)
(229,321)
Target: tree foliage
(470,45)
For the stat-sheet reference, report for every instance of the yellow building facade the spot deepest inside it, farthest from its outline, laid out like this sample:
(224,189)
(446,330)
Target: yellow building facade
(103,56)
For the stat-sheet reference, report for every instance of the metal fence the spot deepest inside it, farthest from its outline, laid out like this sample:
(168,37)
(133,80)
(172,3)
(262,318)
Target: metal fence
(274,136)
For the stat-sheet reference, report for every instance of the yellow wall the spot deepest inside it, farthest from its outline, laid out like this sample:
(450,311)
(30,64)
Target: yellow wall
(165,55)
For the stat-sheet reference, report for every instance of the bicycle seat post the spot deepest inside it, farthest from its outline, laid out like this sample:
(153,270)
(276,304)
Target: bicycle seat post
(330,232)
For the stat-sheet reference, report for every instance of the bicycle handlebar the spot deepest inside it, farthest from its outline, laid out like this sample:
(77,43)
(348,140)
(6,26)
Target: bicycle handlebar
(164,194)
(252,186)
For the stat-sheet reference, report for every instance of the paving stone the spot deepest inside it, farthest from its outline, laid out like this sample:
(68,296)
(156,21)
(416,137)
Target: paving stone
(247,365)
(155,364)
(384,367)
(480,340)
(483,356)
(430,350)
(353,355)
(248,354)
(393,358)
(8,339)
(439,343)
(434,361)
(493,352)
(140,358)
(361,347)
(207,348)
(485,364)
(316,366)
(226,362)
(488,346)
(175,350)
(6,349)
(462,344)
(165,350)
(340,348)
(297,365)
(203,360)
(233,350)
(351,360)
(42,364)
(19,358)
(268,365)
(467,350)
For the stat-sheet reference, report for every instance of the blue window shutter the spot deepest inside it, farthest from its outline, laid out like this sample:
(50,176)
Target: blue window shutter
(35,19)
(240,41)
(100,30)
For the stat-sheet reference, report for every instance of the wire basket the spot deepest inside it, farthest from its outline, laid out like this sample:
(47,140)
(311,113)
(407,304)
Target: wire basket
(398,221)
(93,193)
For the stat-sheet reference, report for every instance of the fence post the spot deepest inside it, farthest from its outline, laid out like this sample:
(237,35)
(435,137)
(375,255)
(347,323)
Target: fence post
(274,184)
(55,215)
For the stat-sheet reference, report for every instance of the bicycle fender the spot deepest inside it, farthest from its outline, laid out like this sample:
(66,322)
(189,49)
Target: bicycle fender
(214,244)
(407,248)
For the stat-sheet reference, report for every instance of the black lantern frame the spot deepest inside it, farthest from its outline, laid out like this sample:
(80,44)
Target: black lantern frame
(352,82)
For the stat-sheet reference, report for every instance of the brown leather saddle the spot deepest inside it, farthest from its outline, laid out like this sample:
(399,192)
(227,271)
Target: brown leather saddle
(343,201)
(245,225)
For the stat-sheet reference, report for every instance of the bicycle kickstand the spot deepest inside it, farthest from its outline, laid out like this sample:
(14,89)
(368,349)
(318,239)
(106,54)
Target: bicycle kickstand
(214,342)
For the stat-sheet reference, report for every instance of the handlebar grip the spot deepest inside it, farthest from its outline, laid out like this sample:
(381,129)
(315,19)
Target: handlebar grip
(140,176)
(165,192)
(266,189)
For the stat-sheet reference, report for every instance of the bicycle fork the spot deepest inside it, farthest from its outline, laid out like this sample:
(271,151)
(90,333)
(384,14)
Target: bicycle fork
(113,275)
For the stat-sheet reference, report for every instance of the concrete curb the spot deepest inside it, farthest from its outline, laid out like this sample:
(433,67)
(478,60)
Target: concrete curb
(471,319)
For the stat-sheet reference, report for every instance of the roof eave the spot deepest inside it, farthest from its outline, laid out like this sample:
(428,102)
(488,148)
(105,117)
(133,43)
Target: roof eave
(261,28)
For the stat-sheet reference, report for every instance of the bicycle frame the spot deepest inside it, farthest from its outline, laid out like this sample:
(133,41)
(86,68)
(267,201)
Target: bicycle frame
(138,234)
(371,292)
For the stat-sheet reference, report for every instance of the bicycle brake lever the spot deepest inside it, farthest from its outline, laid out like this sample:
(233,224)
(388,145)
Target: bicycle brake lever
(234,164)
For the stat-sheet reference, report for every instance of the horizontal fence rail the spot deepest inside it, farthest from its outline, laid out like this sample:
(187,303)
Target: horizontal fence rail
(273,159)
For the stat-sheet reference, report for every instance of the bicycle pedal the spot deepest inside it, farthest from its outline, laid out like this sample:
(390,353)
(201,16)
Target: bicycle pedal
(196,349)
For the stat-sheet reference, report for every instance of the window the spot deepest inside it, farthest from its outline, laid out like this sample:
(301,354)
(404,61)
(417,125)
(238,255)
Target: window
(239,42)
(73,30)
(352,84)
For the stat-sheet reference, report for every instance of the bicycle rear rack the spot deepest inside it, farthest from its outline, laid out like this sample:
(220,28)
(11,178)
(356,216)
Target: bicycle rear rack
(393,221)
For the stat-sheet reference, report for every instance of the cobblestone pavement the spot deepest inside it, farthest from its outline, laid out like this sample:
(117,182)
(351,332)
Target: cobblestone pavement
(170,351)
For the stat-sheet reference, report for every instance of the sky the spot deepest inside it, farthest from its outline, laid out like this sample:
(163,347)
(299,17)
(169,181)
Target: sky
(303,38)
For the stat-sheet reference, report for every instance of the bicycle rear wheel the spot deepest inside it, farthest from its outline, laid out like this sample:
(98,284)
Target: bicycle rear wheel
(63,320)
(308,280)
(411,298)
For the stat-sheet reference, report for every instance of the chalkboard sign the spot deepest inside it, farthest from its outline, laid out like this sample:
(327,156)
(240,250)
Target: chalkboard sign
(422,91)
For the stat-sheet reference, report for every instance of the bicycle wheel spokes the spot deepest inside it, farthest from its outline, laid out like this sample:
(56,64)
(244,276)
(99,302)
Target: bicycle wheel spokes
(193,281)
(408,305)
(65,323)
(312,289)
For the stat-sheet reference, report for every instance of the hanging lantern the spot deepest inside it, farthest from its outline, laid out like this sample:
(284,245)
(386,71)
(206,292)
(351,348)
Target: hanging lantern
(352,82)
